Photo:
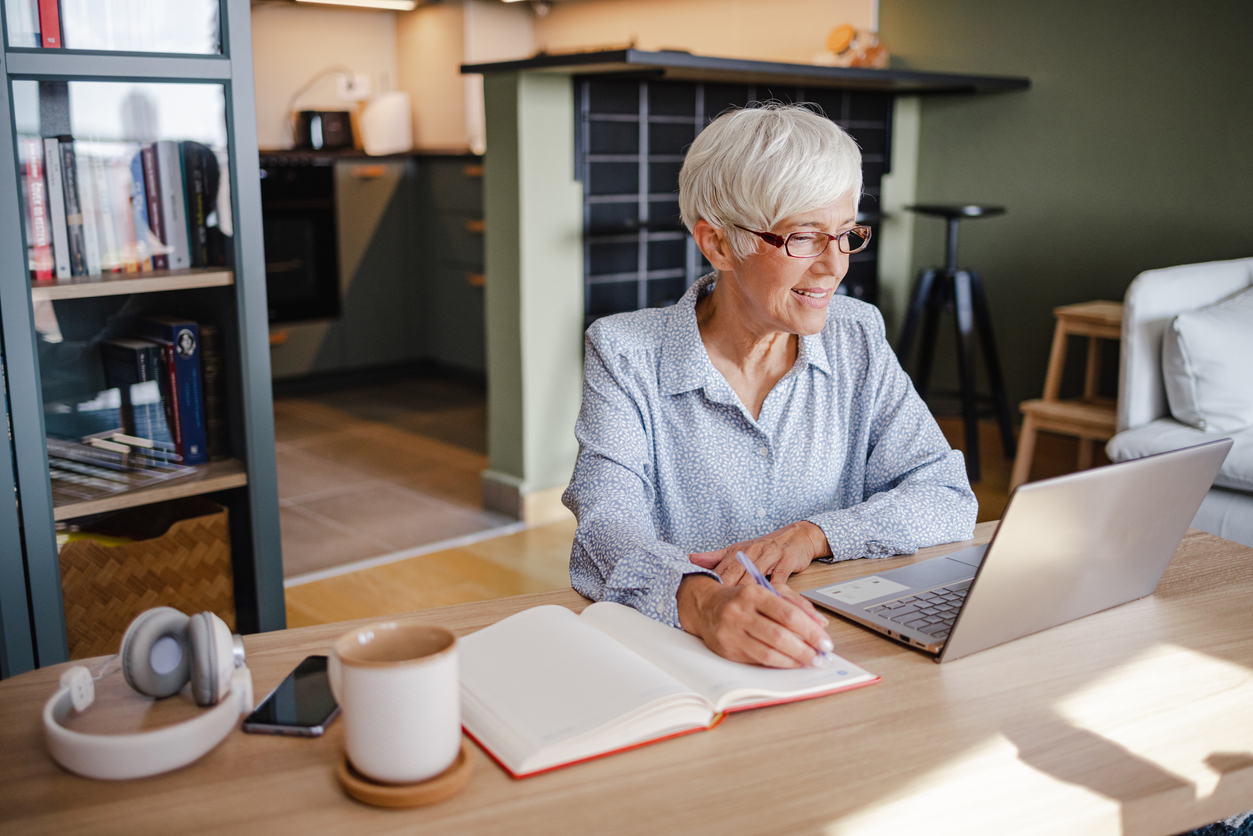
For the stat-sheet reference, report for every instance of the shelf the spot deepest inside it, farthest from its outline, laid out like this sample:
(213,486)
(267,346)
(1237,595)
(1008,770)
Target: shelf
(217,476)
(88,65)
(683,66)
(122,284)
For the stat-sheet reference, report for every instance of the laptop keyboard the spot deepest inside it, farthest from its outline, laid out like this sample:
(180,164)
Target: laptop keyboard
(932,612)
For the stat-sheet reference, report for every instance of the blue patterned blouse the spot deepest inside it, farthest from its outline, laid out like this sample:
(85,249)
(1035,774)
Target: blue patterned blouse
(670,462)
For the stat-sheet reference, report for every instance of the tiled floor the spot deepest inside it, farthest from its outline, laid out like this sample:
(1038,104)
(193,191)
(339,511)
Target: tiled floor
(379,469)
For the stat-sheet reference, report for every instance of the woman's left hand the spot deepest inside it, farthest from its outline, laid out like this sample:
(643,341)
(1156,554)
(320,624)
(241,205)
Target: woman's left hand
(779,554)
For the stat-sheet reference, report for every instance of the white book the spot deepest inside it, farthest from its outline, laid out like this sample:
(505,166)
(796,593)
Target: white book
(56,207)
(173,203)
(546,688)
(88,205)
(112,256)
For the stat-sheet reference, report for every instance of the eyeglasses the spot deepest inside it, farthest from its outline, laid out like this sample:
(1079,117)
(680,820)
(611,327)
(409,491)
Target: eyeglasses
(811,244)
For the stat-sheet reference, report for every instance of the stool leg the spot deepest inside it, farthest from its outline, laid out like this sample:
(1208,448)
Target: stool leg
(1026,449)
(1087,451)
(936,301)
(917,303)
(966,369)
(999,399)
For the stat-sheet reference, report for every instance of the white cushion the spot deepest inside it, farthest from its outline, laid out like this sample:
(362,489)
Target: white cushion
(1207,364)
(1166,434)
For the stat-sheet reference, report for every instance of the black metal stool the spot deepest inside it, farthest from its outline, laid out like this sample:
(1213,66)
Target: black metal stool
(938,289)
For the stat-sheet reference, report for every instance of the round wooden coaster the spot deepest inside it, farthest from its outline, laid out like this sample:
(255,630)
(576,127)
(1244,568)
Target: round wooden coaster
(431,791)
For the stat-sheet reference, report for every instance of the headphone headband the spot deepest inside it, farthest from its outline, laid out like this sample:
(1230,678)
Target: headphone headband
(116,757)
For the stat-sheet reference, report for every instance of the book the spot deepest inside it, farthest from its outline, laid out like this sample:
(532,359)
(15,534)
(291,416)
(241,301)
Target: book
(87,203)
(180,352)
(120,189)
(40,243)
(50,24)
(217,443)
(134,368)
(73,209)
(173,203)
(112,249)
(152,206)
(197,208)
(139,214)
(56,208)
(546,688)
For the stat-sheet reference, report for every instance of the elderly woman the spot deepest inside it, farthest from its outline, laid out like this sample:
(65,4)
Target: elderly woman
(762,413)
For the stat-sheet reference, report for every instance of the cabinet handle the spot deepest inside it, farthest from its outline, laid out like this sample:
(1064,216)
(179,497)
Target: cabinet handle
(368,172)
(473,171)
(476,279)
(278,337)
(475,225)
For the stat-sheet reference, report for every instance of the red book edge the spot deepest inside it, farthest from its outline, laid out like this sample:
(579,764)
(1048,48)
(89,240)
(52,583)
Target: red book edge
(717,721)
(49,24)
(38,199)
(172,412)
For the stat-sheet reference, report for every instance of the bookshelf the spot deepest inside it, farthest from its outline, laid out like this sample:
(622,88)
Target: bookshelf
(129,86)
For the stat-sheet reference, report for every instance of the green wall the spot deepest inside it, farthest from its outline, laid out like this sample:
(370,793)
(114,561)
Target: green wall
(1132,150)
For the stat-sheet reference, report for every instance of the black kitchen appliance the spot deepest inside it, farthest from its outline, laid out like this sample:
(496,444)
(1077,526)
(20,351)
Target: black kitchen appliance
(323,129)
(301,239)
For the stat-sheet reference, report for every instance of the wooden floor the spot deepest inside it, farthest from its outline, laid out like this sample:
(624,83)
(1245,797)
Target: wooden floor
(537,559)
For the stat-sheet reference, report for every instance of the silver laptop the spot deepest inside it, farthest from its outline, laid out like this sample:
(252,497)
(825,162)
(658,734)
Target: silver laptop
(1065,548)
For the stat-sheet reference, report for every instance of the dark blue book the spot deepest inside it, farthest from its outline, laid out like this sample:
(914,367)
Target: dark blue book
(180,339)
(134,368)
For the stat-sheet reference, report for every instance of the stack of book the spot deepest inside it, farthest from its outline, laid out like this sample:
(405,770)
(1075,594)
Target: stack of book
(163,413)
(95,207)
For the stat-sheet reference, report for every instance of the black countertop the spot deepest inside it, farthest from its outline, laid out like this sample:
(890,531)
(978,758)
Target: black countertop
(683,66)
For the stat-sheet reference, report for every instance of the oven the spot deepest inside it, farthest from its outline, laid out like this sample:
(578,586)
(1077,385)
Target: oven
(301,240)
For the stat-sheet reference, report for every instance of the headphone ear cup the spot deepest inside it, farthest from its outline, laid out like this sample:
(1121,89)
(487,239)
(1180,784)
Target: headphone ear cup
(214,658)
(156,653)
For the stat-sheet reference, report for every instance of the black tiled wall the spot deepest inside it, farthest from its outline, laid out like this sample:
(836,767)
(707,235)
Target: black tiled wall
(632,135)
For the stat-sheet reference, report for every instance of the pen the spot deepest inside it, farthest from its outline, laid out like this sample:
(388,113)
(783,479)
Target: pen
(825,656)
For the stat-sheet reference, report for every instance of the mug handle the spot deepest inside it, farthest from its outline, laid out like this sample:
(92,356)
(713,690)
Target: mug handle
(333,676)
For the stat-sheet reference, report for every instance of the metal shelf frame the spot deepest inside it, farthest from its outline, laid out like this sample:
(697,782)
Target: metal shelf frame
(32,620)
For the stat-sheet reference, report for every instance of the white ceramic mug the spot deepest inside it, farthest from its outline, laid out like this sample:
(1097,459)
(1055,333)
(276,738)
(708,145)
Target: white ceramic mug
(397,686)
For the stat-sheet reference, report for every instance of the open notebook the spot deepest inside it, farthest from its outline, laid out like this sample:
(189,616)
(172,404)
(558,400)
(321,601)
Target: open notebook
(546,688)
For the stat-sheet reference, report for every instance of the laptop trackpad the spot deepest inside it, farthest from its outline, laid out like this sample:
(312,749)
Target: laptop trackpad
(971,557)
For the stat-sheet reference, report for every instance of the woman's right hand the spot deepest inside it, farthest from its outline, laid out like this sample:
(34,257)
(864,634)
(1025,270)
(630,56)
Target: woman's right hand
(750,624)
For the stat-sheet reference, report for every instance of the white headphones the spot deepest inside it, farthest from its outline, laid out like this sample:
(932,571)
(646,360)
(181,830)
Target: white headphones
(161,652)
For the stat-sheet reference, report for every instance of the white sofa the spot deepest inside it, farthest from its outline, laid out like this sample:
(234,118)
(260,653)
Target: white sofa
(1145,425)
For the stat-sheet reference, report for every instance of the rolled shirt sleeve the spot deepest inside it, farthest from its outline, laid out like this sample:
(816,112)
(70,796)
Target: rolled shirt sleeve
(670,462)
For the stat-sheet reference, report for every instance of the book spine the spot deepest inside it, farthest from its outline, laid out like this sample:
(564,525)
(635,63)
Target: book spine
(169,388)
(120,189)
(197,214)
(37,199)
(87,202)
(112,258)
(49,24)
(173,203)
(152,193)
(139,214)
(217,446)
(56,205)
(73,210)
(184,338)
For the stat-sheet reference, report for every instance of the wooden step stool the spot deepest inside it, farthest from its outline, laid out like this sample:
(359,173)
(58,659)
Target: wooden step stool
(1092,417)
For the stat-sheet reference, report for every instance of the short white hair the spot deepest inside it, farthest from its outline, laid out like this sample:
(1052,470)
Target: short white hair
(759,165)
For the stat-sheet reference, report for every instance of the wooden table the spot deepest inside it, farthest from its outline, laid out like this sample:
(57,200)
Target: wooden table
(1137,720)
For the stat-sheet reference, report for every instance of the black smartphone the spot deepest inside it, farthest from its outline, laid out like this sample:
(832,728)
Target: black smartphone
(302,705)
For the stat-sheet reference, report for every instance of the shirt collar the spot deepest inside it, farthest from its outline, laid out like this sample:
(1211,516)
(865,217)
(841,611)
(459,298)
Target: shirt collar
(685,364)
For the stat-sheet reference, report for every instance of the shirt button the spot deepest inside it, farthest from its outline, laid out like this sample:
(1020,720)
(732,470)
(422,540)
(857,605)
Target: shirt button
(761,513)
(763,451)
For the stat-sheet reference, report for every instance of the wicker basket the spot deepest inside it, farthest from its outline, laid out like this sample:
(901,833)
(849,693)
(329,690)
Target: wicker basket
(183,561)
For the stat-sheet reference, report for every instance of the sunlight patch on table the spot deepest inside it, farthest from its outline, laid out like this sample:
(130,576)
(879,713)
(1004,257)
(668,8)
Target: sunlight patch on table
(937,801)
(1164,706)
